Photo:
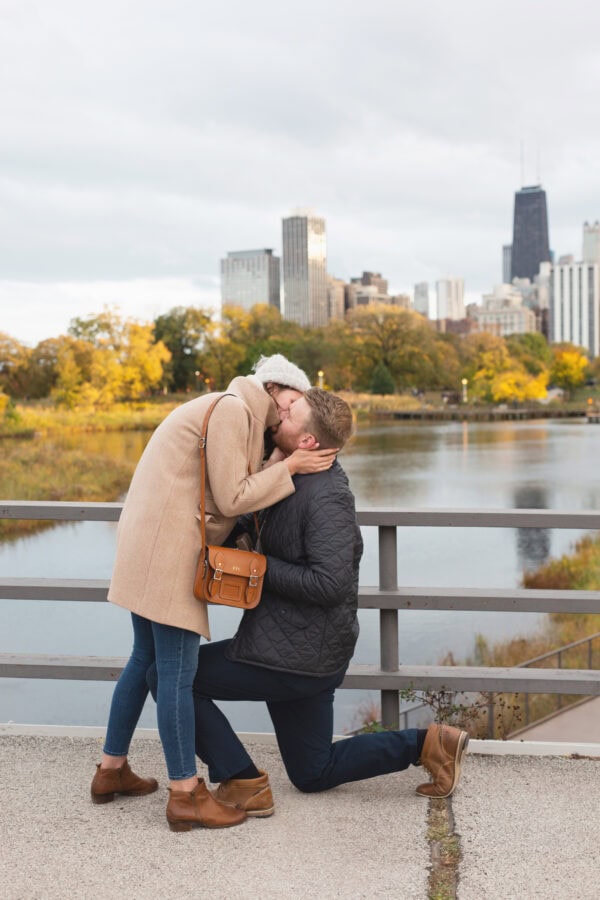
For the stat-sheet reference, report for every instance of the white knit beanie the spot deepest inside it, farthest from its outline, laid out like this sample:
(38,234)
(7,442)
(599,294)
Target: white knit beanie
(280,370)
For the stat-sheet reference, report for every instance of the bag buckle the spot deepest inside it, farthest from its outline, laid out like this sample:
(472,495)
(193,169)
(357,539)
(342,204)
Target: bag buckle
(253,582)
(217,575)
(202,443)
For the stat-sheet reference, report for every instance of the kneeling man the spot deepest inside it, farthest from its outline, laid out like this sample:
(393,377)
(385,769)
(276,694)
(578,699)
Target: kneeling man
(293,649)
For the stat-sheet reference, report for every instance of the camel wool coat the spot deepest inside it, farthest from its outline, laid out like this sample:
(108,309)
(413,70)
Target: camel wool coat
(158,536)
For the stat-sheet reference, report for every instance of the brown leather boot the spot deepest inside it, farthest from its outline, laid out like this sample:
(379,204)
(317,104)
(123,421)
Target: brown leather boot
(187,809)
(441,756)
(253,795)
(108,782)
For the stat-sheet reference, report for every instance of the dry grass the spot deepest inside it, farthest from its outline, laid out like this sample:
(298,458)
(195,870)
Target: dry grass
(42,470)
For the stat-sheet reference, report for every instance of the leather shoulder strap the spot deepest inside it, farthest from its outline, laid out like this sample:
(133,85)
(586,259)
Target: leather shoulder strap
(203,465)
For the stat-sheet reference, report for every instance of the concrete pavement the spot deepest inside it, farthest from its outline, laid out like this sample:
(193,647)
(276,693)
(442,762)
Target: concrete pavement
(529,828)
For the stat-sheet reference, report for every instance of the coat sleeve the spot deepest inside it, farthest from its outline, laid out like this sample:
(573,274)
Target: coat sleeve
(326,575)
(233,490)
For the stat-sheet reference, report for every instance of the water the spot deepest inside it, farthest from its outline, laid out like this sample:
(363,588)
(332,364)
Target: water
(546,465)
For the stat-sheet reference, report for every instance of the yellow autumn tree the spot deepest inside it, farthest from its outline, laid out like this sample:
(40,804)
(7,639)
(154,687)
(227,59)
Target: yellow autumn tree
(569,367)
(518,385)
(126,362)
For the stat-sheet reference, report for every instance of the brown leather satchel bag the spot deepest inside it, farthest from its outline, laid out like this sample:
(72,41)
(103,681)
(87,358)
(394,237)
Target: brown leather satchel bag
(225,575)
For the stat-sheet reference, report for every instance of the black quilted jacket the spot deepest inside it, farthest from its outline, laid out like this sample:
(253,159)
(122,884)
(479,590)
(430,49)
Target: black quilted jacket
(306,621)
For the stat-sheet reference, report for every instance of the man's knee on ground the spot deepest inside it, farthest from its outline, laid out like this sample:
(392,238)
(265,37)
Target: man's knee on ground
(305,782)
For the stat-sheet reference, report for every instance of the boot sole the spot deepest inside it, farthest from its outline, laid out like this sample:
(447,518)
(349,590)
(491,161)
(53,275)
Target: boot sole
(260,813)
(108,798)
(463,743)
(187,826)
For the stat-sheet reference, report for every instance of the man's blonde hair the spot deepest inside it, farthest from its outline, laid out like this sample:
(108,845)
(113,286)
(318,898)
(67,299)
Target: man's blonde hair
(330,418)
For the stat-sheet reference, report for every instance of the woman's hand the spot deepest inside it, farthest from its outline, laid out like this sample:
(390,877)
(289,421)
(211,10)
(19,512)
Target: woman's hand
(306,462)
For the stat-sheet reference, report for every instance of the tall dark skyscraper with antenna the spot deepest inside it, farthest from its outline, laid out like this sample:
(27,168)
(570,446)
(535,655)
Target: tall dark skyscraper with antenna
(531,245)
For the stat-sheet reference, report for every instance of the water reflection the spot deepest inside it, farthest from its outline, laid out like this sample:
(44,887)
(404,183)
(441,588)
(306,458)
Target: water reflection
(533,544)
(427,465)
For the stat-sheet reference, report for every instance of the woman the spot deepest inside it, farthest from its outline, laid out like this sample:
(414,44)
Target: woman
(158,541)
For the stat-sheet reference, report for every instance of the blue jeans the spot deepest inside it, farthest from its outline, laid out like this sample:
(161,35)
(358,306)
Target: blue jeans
(175,653)
(301,709)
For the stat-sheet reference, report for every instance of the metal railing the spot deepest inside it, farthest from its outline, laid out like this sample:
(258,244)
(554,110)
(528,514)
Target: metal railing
(559,654)
(388,676)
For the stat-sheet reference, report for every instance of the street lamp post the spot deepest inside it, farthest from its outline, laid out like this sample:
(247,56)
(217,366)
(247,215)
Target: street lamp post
(320,376)
(464,383)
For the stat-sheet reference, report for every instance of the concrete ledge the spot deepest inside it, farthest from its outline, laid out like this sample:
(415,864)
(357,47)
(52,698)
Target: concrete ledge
(485,748)
(534,748)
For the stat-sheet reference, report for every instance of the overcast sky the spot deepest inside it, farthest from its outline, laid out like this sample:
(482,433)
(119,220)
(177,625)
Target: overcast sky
(141,141)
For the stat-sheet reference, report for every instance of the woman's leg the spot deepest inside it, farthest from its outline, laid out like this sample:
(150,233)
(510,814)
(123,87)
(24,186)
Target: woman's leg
(176,662)
(129,695)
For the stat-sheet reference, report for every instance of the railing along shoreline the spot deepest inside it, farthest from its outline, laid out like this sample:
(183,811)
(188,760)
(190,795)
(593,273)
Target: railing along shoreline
(388,676)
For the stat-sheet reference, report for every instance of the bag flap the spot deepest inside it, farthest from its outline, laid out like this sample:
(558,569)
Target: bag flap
(237,562)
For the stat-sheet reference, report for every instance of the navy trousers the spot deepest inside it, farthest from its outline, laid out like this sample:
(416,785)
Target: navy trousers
(301,709)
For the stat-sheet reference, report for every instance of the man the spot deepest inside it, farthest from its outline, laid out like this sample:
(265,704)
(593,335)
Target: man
(293,649)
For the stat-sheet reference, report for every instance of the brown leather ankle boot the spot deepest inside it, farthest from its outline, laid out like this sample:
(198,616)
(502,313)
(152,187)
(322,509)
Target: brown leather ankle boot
(187,809)
(441,756)
(253,795)
(108,782)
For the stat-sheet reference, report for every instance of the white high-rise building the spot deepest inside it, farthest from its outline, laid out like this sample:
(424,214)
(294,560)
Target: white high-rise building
(450,298)
(575,305)
(591,242)
(575,296)
(421,298)
(249,277)
(305,268)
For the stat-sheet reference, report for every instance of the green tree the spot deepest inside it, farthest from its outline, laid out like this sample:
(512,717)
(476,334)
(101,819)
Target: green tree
(183,331)
(531,350)
(14,359)
(403,341)
(382,381)
(43,363)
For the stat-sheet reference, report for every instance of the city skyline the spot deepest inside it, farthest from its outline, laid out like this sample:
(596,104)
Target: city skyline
(141,143)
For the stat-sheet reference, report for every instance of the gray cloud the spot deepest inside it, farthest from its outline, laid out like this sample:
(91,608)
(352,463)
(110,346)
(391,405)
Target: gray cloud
(144,141)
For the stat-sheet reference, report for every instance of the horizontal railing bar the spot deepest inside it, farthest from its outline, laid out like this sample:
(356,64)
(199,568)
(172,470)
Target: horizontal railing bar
(63,511)
(75,668)
(475,678)
(451,678)
(437,518)
(480,518)
(479,599)
(90,590)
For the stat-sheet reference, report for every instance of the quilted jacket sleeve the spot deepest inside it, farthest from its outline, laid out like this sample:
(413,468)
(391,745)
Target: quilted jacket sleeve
(325,577)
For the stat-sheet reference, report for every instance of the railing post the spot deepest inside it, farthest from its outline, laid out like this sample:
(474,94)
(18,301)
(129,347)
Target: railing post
(490,717)
(388,623)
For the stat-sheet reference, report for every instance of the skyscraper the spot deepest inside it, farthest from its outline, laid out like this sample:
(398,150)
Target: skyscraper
(305,268)
(530,245)
(450,298)
(421,298)
(575,295)
(506,263)
(591,242)
(249,277)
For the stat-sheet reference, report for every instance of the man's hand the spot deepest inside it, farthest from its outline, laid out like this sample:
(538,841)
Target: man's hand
(306,462)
